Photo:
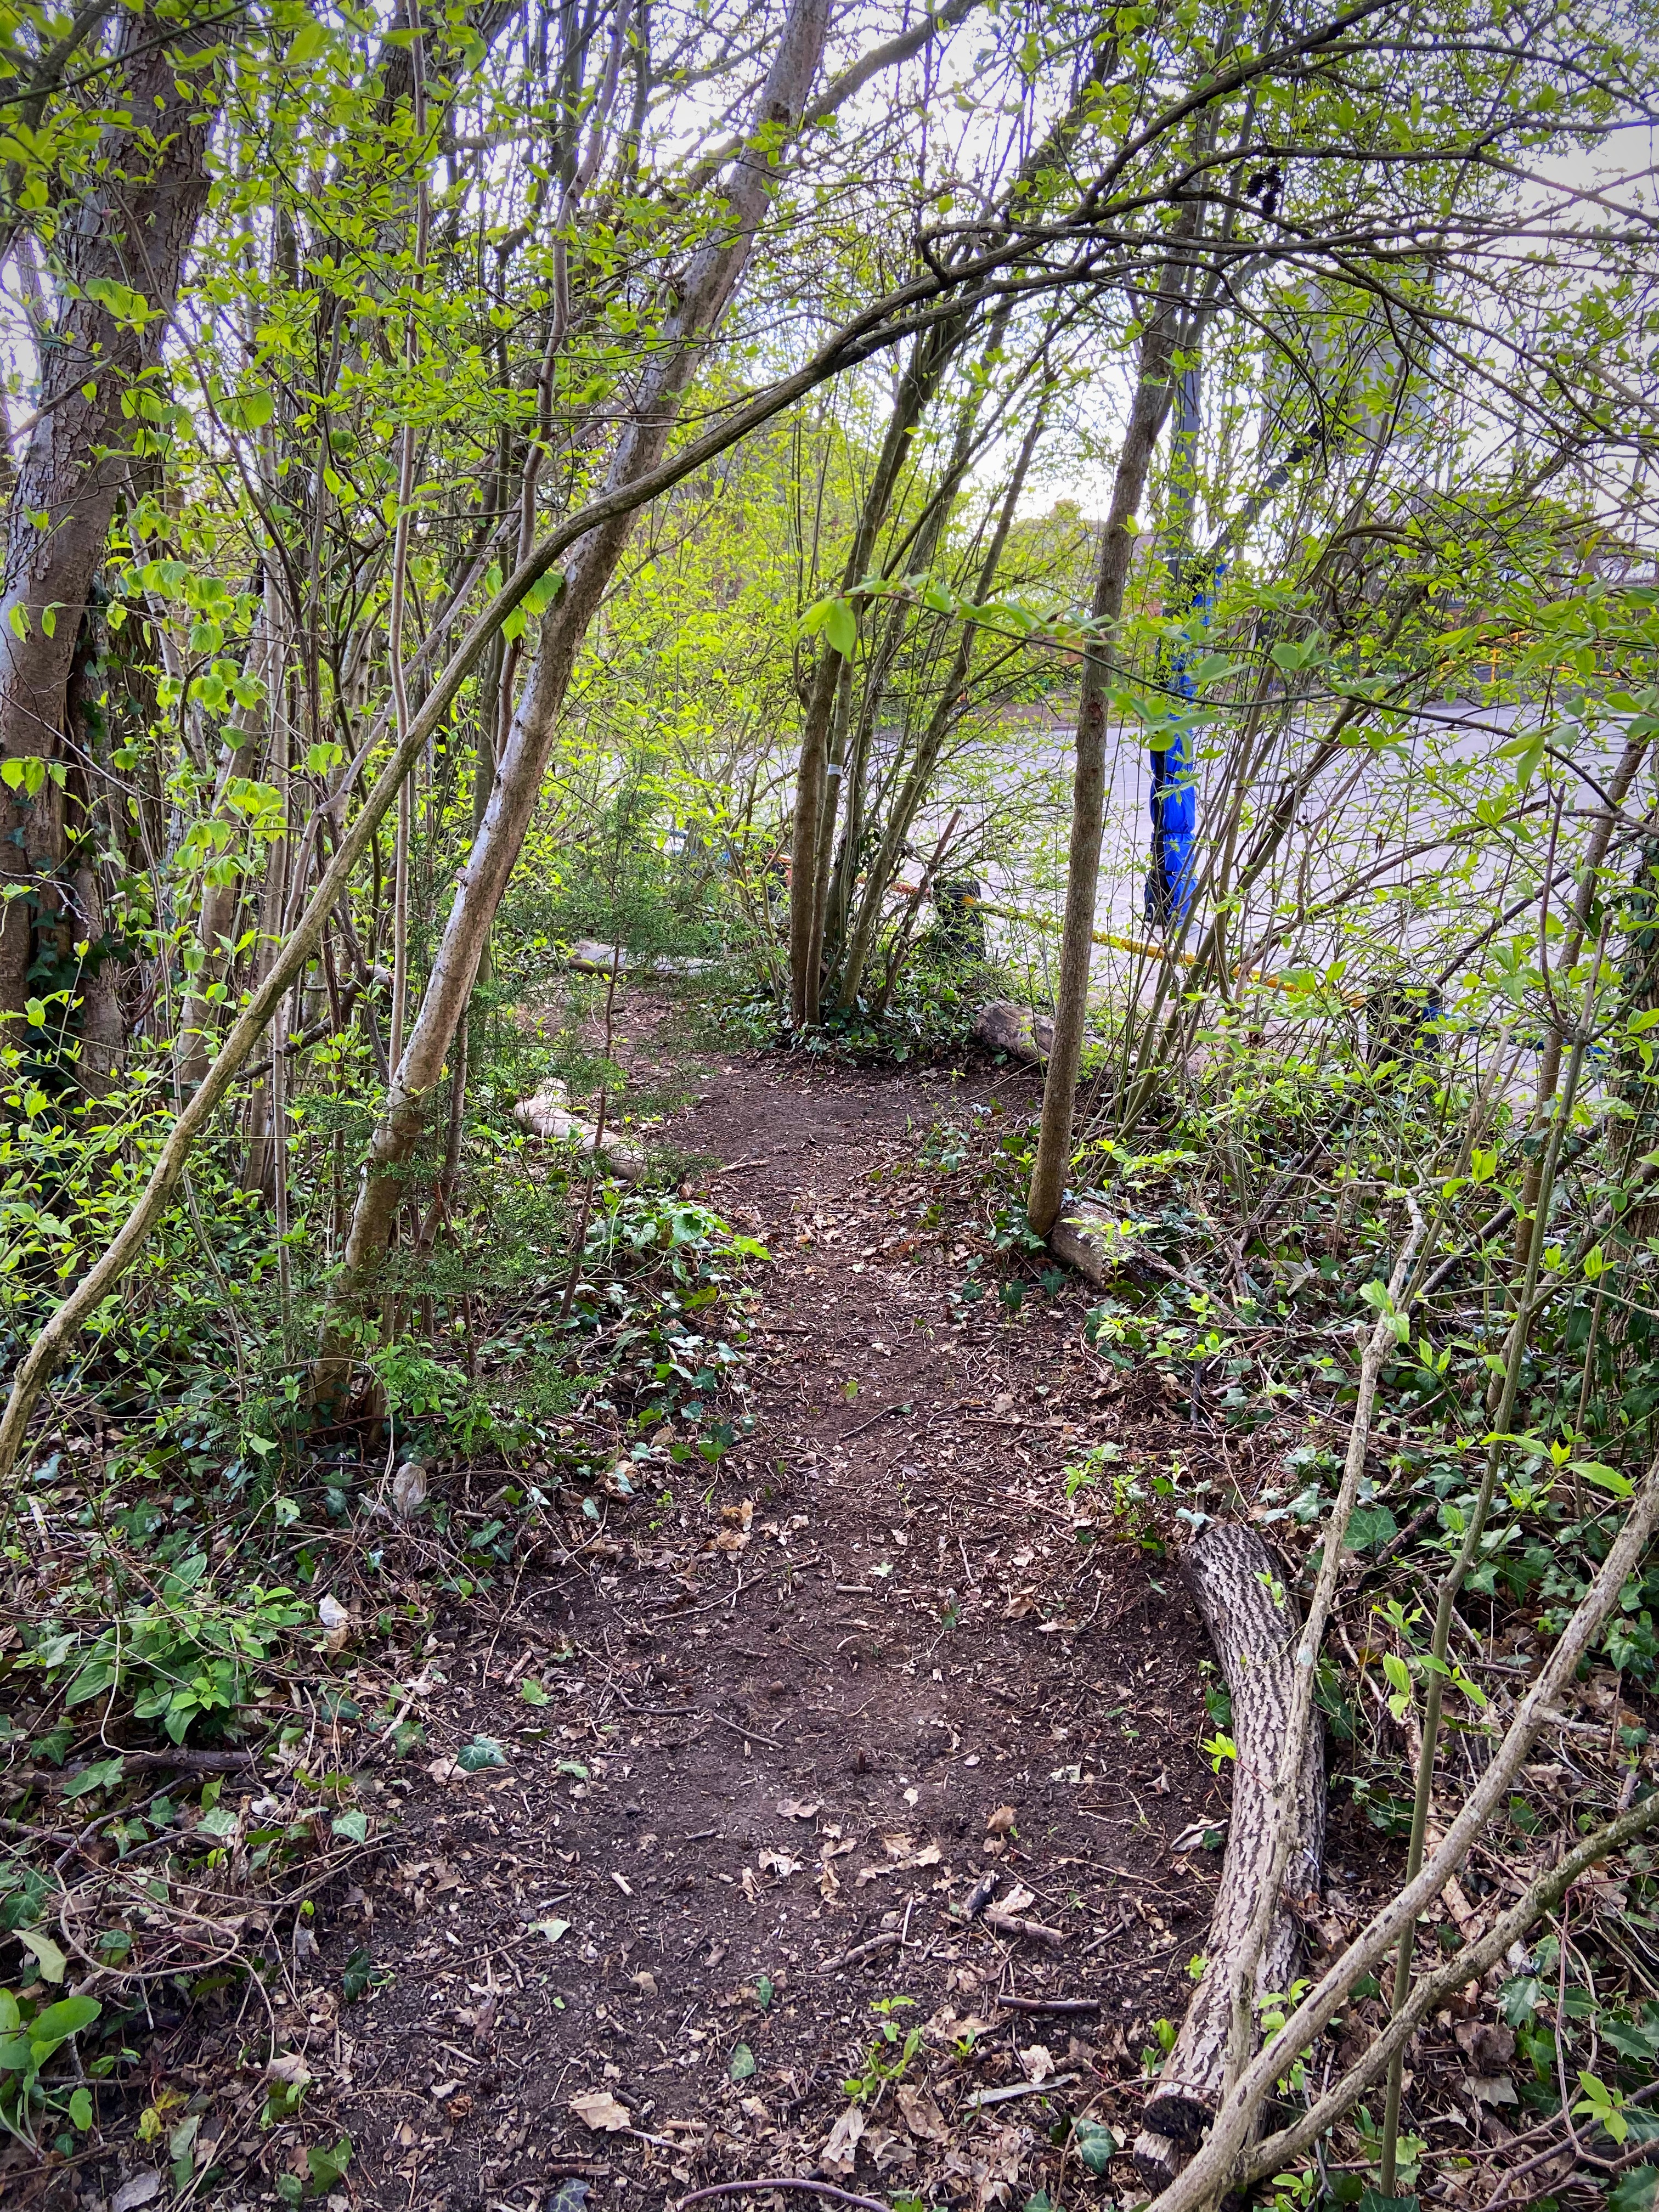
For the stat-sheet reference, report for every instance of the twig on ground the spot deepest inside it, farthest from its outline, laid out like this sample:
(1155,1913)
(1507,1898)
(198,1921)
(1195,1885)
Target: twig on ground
(890,1941)
(1050,2004)
(983,2098)
(738,1728)
(770,2182)
(1015,1923)
(847,1437)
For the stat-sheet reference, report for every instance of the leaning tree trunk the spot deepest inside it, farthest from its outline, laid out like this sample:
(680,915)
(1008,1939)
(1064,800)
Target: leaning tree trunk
(1117,544)
(128,236)
(1253,1622)
(707,286)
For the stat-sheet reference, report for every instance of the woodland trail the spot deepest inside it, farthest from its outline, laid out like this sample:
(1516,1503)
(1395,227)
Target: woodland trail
(761,1757)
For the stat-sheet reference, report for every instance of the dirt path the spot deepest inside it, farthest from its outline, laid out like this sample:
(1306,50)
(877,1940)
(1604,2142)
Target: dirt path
(759,1759)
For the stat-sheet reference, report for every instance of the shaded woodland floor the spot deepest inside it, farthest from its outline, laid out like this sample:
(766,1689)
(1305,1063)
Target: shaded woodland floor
(784,1725)
(801,1746)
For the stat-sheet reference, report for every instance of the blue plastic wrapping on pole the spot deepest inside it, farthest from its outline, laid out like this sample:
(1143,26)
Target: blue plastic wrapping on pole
(1175,784)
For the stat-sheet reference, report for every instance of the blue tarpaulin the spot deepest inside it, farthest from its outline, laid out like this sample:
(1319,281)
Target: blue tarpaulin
(1170,880)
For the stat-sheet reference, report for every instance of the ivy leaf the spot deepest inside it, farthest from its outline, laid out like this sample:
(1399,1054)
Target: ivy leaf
(1370,1528)
(1095,2145)
(104,1774)
(483,1750)
(65,2018)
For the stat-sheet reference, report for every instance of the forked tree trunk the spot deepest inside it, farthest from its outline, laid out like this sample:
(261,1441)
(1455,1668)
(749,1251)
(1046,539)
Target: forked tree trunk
(1253,1622)
(707,286)
(819,772)
(127,236)
(919,777)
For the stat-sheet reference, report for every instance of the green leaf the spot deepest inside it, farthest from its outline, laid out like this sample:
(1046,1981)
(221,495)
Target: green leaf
(65,2018)
(103,1775)
(1604,1478)
(551,1929)
(483,1750)
(306,44)
(49,1960)
(1526,752)
(122,302)
(356,1974)
(1635,2192)
(221,1821)
(1370,1528)
(840,628)
(742,2068)
(354,1826)
(1095,2145)
(80,2108)
(1212,669)
(328,2166)
(532,1692)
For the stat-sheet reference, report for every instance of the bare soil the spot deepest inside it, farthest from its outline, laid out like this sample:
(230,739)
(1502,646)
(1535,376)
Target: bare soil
(796,1714)
(789,1713)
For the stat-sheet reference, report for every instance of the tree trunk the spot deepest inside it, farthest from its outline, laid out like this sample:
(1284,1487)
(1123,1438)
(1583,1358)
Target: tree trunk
(86,950)
(919,777)
(1233,1578)
(130,231)
(707,286)
(222,892)
(1549,1066)
(817,777)
(1117,543)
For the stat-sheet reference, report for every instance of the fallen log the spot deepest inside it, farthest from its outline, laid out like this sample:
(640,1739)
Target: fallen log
(548,1116)
(1020,1031)
(1253,1623)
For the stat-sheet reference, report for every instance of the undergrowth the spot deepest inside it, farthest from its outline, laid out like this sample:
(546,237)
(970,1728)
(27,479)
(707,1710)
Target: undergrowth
(202,1575)
(1247,1227)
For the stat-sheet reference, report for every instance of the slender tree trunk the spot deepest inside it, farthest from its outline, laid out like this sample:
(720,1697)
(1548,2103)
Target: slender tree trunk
(99,1029)
(915,788)
(1117,544)
(818,774)
(220,900)
(1549,1066)
(708,285)
(132,229)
